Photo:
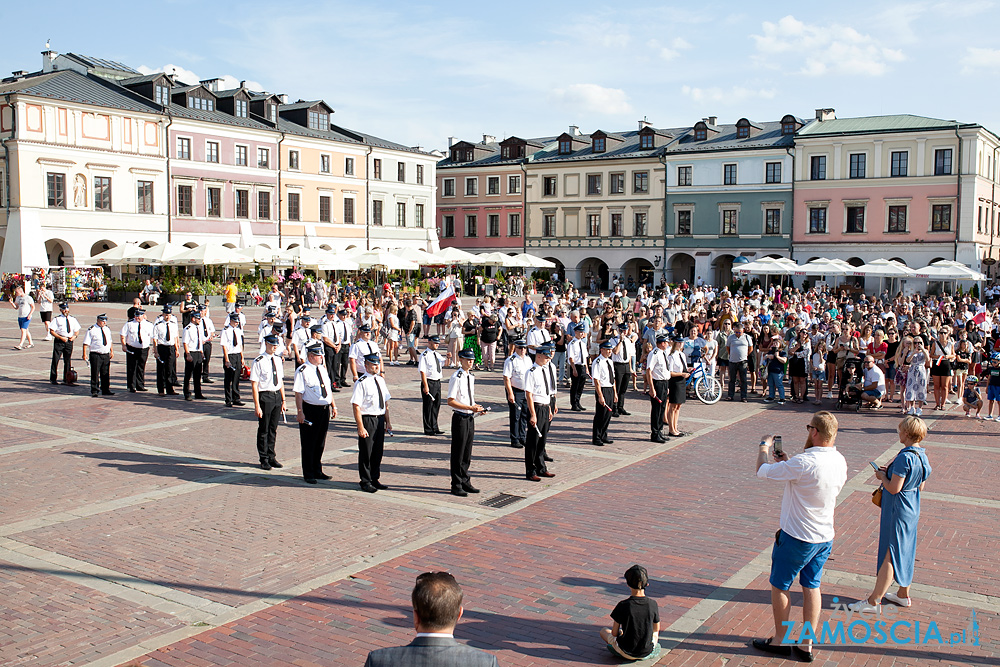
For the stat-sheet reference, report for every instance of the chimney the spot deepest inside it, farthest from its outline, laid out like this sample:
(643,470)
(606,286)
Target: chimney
(19,73)
(211,84)
(712,120)
(825,114)
(644,124)
(574,130)
(452,141)
(489,139)
(243,84)
(284,98)
(48,59)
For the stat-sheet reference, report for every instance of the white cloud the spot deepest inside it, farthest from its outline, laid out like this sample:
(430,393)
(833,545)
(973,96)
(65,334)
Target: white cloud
(190,78)
(734,95)
(670,52)
(594,98)
(823,49)
(978,58)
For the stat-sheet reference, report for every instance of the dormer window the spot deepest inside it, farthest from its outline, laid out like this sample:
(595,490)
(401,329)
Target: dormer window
(457,155)
(743,132)
(600,144)
(788,125)
(700,132)
(202,103)
(271,112)
(646,141)
(505,152)
(161,95)
(565,147)
(319,120)
(241,108)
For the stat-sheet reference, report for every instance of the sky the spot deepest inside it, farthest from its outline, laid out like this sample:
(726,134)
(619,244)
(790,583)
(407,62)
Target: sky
(420,72)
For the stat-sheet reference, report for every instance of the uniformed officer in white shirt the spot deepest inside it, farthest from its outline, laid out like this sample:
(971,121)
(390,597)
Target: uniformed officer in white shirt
(462,399)
(315,333)
(267,323)
(64,330)
(193,342)
(677,384)
(331,344)
(268,388)
(603,373)
(299,338)
(370,400)
(208,335)
(429,365)
(343,330)
(277,329)
(657,377)
(537,335)
(232,359)
(238,309)
(539,389)
(166,350)
(577,352)
(136,337)
(623,356)
(98,351)
(314,407)
(363,347)
(514,368)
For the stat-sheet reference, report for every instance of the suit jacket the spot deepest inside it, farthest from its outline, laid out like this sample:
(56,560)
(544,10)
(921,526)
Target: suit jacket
(431,652)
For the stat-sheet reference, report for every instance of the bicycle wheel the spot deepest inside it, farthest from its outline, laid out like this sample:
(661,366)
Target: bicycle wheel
(708,390)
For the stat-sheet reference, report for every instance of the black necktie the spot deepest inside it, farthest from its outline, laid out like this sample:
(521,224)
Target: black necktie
(381,398)
(624,351)
(468,384)
(138,332)
(197,334)
(204,326)
(66,317)
(611,372)
(437,361)
(274,373)
(552,380)
(319,376)
(104,337)
(166,325)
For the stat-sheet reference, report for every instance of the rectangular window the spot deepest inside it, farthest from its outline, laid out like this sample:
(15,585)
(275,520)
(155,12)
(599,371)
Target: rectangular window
(645,141)
(400,214)
(942,162)
(513,185)
(593,184)
(858,164)
(549,225)
(201,103)
(616,225)
(448,227)
(241,156)
(214,202)
(185,200)
(772,221)
(293,159)
(817,170)
(470,226)
(549,186)
(900,160)
(420,174)
(493,185)
(729,174)
(772,172)
(349,166)
(617,184)
(493,225)
(144,197)
(211,151)
(271,110)
(817,221)
(941,218)
(683,175)
(161,95)
(324,164)
(979,223)
(514,224)
(294,209)
(684,223)
(418,216)
(855,219)
(401,172)
(377,213)
(730,225)
(324,209)
(449,187)
(600,145)
(897,219)
(348,210)
(640,224)
(594,224)
(377,169)
(264,158)
(241,108)
(102,193)
(242,203)
(264,205)
(183,148)
(319,120)
(471,187)
(640,182)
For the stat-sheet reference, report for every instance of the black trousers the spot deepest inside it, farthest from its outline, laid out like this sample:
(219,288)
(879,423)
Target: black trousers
(166,369)
(738,368)
(328,356)
(432,405)
(231,378)
(518,417)
(192,369)
(61,349)
(100,373)
(577,383)
(207,354)
(623,380)
(267,424)
(602,415)
(534,443)
(313,438)
(135,367)
(658,406)
(341,365)
(370,449)
(463,429)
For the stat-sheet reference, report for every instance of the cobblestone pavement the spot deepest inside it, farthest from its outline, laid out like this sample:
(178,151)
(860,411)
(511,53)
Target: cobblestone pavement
(138,530)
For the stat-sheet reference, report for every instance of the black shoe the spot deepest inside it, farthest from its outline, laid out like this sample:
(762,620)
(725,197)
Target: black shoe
(439,432)
(468,488)
(608,441)
(548,458)
(429,433)
(656,437)
(229,405)
(239,403)
(141,389)
(323,475)
(54,381)
(200,397)
(171,393)
(729,398)
(161,393)
(275,464)
(459,492)
(766,646)
(624,412)
(188,398)
(208,381)
(108,393)
(368,488)
(334,388)
(517,445)
(597,443)
(131,391)
(310,481)
(803,656)
(94,395)
(533,478)
(264,465)
(616,414)
(380,486)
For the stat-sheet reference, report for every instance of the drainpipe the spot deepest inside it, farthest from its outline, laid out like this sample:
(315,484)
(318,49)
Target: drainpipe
(791,215)
(368,199)
(958,197)
(666,188)
(279,185)
(170,187)
(6,154)
(524,205)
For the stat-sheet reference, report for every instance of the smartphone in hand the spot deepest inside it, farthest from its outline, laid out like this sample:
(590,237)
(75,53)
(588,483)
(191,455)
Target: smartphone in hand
(874,465)
(778,451)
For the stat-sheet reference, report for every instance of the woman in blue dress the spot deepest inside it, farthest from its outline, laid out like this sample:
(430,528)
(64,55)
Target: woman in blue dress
(902,480)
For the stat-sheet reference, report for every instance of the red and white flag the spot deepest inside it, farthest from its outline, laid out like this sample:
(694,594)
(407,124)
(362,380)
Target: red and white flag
(442,303)
(980,317)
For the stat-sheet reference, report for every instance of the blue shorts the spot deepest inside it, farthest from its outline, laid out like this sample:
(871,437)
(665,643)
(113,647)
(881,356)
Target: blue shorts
(23,322)
(819,374)
(992,391)
(873,392)
(791,556)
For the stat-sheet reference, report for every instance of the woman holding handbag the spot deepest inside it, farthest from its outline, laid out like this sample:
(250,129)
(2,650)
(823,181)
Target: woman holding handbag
(902,481)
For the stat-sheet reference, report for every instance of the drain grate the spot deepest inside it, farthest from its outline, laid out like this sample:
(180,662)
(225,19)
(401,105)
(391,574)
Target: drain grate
(501,500)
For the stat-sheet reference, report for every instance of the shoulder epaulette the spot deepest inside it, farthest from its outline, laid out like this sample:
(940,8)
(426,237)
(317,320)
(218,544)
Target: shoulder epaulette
(259,358)
(458,373)
(301,368)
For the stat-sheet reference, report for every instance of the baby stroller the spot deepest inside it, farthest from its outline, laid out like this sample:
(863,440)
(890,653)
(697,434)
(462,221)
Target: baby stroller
(850,389)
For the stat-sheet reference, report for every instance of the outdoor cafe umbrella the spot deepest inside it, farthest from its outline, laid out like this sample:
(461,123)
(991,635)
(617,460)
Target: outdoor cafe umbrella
(454,256)
(112,256)
(884,268)
(825,267)
(947,269)
(497,259)
(210,254)
(157,254)
(768,266)
(385,260)
(532,262)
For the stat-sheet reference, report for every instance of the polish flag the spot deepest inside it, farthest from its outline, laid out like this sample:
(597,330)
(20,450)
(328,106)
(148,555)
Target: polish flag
(980,317)
(442,303)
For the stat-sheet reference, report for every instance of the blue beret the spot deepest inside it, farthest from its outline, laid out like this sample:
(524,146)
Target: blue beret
(196,313)
(277,328)
(623,327)
(547,349)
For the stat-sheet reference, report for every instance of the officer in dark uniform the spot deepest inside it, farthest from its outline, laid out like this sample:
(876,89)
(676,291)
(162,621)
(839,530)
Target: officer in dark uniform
(370,400)
(268,388)
(462,399)
(430,365)
(314,407)
(603,373)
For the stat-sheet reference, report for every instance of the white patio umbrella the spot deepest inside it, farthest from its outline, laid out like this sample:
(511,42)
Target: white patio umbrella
(420,256)
(112,256)
(456,256)
(157,254)
(329,260)
(884,268)
(384,259)
(947,269)
(260,254)
(532,262)
(770,266)
(825,267)
(497,259)
(210,254)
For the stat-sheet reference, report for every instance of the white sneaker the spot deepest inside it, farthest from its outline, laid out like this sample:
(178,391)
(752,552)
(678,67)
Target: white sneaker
(863,606)
(895,599)
(919,412)
(47,338)
(829,394)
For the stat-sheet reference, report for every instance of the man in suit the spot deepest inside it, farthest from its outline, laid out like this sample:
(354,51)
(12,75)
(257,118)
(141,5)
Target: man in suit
(437,606)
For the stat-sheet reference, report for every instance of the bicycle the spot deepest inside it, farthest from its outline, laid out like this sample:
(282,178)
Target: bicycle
(707,388)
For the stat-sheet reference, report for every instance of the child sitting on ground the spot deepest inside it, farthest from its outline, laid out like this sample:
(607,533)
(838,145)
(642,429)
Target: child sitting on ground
(636,630)
(971,398)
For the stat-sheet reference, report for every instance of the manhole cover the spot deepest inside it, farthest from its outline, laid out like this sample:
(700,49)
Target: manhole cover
(501,500)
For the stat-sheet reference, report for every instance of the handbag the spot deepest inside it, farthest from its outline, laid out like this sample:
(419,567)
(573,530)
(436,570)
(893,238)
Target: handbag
(877,496)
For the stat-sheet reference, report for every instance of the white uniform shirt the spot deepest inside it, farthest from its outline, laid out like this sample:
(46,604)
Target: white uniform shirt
(538,382)
(331,331)
(207,328)
(194,338)
(462,387)
(97,342)
(366,394)
(64,325)
(812,481)
(514,367)
(309,341)
(138,334)
(264,328)
(266,371)
(603,371)
(626,353)
(313,382)
(279,349)
(165,333)
(537,337)
(346,328)
(577,350)
(430,364)
(656,362)
(232,340)
(676,362)
(359,350)
(300,337)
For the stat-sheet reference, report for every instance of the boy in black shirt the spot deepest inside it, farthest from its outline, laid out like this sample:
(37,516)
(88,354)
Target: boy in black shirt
(636,630)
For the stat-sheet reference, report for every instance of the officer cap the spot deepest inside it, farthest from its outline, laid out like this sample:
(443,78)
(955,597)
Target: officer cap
(305,317)
(235,317)
(545,349)
(271,340)
(306,309)
(277,328)
(520,342)
(434,338)
(466,354)
(315,348)
(364,327)
(662,338)
(372,358)
(196,313)
(330,310)
(270,313)
(102,317)
(316,328)
(607,345)
(138,311)
(677,338)
(167,308)
(342,311)
(64,306)
(623,327)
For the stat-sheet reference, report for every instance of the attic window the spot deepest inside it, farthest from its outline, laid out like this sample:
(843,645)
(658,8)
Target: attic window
(505,151)
(469,156)
(241,108)
(456,155)
(742,131)
(600,144)
(271,111)
(319,121)
(565,147)
(646,141)
(161,95)
(788,127)
(700,133)
(201,103)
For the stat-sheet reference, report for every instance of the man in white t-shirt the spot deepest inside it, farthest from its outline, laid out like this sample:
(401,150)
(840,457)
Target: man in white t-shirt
(25,307)
(812,481)
(873,384)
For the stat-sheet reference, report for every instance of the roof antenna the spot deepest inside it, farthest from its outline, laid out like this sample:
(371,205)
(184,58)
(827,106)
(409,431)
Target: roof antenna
(47,42)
